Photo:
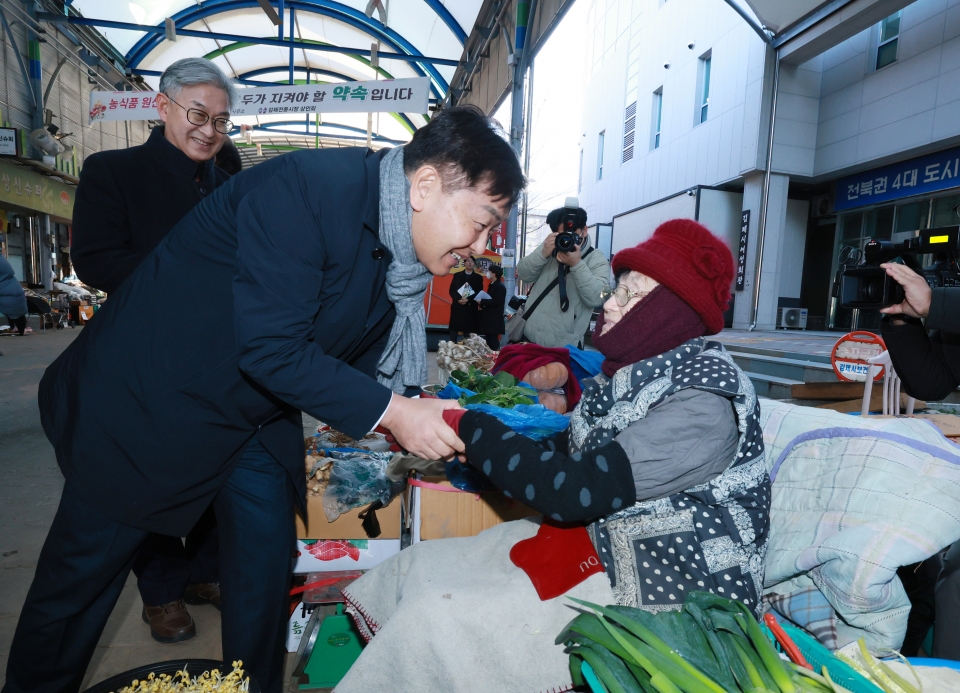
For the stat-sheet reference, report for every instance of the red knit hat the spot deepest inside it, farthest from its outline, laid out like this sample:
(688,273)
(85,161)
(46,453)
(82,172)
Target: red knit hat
(690,261)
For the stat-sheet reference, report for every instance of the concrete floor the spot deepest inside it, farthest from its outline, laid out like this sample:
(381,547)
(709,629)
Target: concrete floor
(30,486)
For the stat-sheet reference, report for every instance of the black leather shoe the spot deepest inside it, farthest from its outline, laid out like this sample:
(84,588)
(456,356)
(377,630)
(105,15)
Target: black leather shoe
(202,593)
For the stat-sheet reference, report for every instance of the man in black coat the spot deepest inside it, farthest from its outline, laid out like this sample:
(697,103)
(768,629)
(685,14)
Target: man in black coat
(127,202)
(928,365)
(490,321)
(296,286)
(463,309)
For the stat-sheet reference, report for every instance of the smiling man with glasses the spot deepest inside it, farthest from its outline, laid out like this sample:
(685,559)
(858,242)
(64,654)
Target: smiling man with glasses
(127,202)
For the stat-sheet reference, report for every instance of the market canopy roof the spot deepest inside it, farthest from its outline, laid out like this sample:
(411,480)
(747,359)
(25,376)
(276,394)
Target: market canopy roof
(331,43)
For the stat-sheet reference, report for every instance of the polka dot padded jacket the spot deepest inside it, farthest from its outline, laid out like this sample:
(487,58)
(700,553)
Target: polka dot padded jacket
(710,537)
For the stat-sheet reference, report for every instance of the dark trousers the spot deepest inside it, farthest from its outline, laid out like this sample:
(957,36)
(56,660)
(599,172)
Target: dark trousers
(946,631)
(164,564)
(87,557)
(919,582)
(493,341)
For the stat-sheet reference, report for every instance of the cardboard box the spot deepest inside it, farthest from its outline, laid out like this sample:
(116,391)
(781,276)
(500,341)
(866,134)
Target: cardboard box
(348,525)
(446,514)
(948,424)
(296,624)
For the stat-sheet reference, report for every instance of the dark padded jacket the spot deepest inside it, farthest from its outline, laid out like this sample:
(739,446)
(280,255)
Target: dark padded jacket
(269,298)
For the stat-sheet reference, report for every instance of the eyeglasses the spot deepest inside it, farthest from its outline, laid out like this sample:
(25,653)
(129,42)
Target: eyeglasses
(622,294)
(198,117)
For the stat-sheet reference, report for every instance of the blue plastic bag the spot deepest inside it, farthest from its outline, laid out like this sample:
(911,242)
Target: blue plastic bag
(532,420)
(585,364)
(453,391)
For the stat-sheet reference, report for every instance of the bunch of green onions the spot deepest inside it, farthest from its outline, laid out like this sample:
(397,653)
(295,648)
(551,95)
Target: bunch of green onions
(713,645)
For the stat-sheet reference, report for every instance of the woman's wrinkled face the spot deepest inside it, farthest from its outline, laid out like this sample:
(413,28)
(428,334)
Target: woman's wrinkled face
(633,286)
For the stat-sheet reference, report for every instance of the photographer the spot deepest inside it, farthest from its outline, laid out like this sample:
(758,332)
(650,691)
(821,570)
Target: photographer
(929,367)
(571,273)
(928,364)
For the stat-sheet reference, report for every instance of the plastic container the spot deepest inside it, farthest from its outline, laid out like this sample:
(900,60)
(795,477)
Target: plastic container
(194,667)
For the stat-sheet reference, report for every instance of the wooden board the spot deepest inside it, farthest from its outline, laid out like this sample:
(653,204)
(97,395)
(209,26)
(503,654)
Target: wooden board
(835,390)
(876,402)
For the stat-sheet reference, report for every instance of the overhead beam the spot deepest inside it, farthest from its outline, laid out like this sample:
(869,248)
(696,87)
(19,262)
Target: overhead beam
(304,45)
(845,22)
(270,12)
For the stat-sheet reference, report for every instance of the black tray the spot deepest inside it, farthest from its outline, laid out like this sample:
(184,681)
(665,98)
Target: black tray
(195,667)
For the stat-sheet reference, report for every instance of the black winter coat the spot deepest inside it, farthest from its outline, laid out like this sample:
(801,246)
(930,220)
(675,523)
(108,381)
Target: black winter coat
(928,363)
(490,315)
(127,201)
(463,318)
(268,298)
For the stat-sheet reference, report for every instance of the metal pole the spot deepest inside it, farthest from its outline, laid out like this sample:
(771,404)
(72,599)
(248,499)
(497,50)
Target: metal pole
(765,195)
(374,63)
(526,163)
(517,129)
(280,14)
(293,24)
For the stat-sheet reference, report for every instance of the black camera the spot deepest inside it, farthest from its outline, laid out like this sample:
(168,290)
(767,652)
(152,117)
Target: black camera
(567,220)
(867,285)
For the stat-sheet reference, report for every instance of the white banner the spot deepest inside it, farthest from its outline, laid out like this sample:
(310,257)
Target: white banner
(392,96)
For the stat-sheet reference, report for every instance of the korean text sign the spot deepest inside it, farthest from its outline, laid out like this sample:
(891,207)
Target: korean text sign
(925,174)
(391,96)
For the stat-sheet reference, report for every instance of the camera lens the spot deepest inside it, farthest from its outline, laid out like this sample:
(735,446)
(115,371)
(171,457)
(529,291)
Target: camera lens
(566,242)
(871,290)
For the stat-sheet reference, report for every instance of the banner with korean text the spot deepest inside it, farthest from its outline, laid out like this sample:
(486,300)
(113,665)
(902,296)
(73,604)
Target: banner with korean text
(919,176)
(391,96)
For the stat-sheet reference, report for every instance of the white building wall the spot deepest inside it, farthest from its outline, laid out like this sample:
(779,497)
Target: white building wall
(714,152)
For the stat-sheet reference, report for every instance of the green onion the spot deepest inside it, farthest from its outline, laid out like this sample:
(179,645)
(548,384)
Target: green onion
(769,656)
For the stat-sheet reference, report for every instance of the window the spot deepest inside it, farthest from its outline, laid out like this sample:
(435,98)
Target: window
(703,100)
(629,128)
(889,38)
(580,172)
(656,118)
(600,139)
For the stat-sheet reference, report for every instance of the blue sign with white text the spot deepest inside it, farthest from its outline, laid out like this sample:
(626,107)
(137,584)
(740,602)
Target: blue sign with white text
(925,174)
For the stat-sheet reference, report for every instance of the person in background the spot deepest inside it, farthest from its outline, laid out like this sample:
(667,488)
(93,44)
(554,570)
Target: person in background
(490,316)
(463,310)
(922,335)
(573,282)
(127,202)
(13,302)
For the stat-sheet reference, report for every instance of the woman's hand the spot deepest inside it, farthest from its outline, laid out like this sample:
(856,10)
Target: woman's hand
(917,293)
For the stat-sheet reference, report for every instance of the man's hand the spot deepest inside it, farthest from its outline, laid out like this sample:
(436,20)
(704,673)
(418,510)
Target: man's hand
(419,428)
(549,244)
(917,293)
(569,259)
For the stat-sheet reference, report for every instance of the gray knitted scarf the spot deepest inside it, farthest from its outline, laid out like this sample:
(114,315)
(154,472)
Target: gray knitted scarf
(404,360)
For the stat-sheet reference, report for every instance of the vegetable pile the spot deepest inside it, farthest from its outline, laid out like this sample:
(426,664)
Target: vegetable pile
(472,352)
(182,682)
(714,645)
(857,656)
(501,390)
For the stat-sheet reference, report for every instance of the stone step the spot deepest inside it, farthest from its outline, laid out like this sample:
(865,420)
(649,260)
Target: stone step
(771,386)
(801,370)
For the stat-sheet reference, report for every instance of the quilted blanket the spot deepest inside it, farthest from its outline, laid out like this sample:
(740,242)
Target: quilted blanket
(853,499)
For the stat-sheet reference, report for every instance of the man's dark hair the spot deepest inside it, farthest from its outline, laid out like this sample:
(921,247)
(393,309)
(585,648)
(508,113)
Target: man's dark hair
(469,149)
(496,270)
(553,218)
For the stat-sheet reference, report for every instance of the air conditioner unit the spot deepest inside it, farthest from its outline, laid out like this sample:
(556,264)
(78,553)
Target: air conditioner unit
(793,318)
(820,207)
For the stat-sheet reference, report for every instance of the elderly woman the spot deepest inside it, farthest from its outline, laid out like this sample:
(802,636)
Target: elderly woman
(662,470)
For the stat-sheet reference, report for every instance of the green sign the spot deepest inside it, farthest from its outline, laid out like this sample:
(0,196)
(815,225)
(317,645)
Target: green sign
(24,187)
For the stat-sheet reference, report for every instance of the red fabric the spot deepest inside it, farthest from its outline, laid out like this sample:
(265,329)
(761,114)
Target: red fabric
(690,261)
(520,359)
(557,559)
(452,418)
(660,322)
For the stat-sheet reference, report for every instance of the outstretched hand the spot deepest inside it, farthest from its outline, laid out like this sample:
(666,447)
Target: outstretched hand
(917,293)
(419,427)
